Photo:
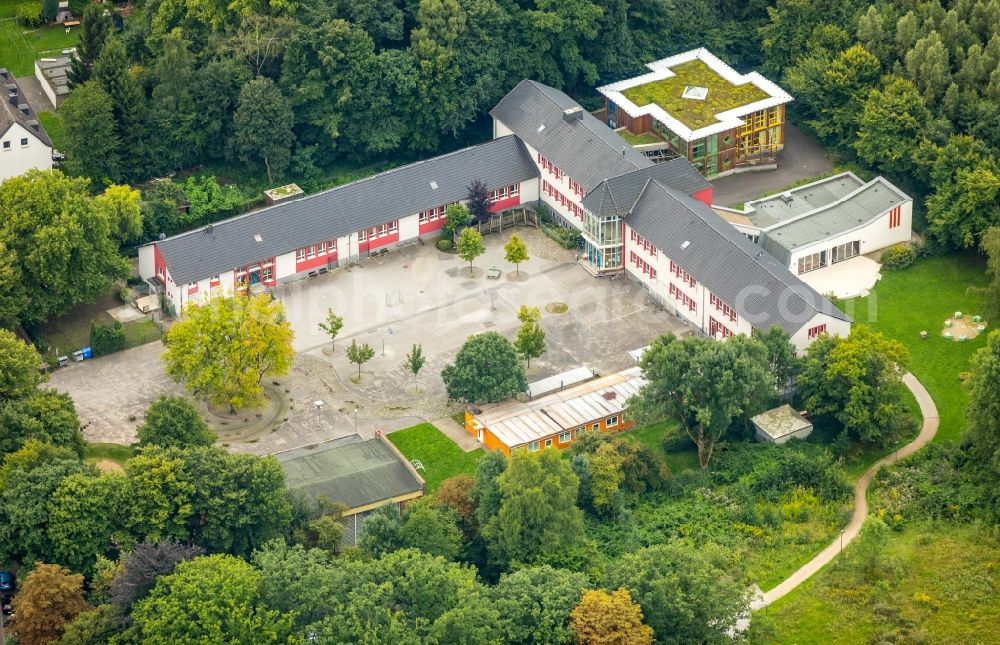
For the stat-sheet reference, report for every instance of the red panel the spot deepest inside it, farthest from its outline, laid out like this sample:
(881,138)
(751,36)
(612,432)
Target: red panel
(433,225)
(159,266)
(504,204)
(391,238)
(312,263)
(704,196)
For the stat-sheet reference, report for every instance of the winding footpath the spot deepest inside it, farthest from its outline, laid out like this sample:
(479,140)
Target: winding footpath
(929,411)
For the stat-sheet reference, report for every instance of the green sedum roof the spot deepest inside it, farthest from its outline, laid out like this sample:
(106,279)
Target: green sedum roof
(694,113)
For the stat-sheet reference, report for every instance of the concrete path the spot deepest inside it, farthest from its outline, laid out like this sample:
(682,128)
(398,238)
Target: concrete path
(927,432)
(457,433)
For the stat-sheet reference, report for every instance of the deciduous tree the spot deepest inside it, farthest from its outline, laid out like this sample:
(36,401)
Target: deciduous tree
(516,252)
(121,205)
(892,121)
(414,360)
(50,597)
(171,421)
(990,246)
(603,618)
(470,245)
(19,363)
(332,325)
(359,354)
(983,411)
(264,126)
(486,370)
(456,215)
(530,342)
(535,604)
(478,201)
(222,350)
(146,563)
(85,511)
(46,415)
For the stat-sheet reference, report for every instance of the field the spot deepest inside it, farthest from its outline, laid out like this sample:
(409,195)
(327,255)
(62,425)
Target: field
(20,46)
(440,456)
(920,298)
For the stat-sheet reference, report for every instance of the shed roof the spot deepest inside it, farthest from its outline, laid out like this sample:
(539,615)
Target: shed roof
(582,146)
(350,470)
(517,423)
(560,381)
(343,210)
(780,422)
(725,261)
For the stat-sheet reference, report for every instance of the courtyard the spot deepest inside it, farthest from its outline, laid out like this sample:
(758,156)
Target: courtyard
(415,294)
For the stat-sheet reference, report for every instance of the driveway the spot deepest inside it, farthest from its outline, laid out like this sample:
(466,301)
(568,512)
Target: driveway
(801,158)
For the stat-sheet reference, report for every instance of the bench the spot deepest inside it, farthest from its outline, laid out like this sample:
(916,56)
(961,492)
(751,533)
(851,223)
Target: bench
(493,273)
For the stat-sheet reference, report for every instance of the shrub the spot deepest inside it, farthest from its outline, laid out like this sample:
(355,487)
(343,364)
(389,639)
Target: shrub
(898,257)
(107,339)
(29,14)
(125,295)
(444,244)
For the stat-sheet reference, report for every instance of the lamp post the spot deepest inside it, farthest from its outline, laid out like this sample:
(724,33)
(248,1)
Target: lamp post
(355,420)
(388,332)
(895,452)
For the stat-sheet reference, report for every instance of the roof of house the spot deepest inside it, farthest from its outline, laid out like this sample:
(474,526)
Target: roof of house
(781,421)
(55,71)
(573,139)
(617,195)
(819,211)
(517,423)
(725,261)
(350,470)
(14,108)
(340,211)
(664,93)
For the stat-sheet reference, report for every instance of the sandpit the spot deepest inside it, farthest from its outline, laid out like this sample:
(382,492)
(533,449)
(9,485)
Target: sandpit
(963,328)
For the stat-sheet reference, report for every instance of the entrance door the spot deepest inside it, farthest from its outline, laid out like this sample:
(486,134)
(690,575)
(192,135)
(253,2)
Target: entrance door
(254,276)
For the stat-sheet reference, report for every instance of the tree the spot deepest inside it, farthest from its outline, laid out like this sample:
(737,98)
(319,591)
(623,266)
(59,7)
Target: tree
(478,201)
(381,534)
(414,360)
(604,618)
(485,493)
(455,216)
(535,604)
(223,349)
(983,411)
(359,354)
(687,593)
(780,355)
(62,240)
(530,342)
(84,513)
(892,121)
(964,177)
(31,454)
(215,90)
(49,598)
(990,247)
(528,314)
(263,123)
(704,384)
(95,26)
(605,479)
(113,71)
(91,143)
(92,627)
(212,598)
(50,9)
(332,325)
(146,563)
(45,415)
(470,245)
(176,125)
(24,510)
(19,362)
(13,299)
(160,492)
(121,205)
(854,382)
(516,252)
(171,421)
(431,529)
(486,370)
(538,520)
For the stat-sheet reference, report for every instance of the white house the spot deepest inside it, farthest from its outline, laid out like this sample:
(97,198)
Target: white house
(24,145)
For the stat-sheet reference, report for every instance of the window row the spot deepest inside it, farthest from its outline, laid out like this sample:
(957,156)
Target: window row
(549,166)
(717,329)
(812,262)
(375,232)
(846,251)
(816,331)
(678,294)
(503,193)
(576,187)
(558,197)
(431,214)
(648,246)
(567,435)
(316,250)
(726,310)
(761,119)
(682,274)
(24,144)
(642,264)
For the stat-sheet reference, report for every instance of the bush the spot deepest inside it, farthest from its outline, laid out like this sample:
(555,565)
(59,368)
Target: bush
(125,295)
(29,14)
(107,339)
(564,236)
(444,244)
(898,257)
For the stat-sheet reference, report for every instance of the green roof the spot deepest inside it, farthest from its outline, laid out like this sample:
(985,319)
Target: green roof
(694,113)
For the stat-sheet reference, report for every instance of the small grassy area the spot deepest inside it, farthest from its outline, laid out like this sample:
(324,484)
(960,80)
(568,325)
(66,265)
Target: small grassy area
(93,452)
(947,589)
(639,139)
(652,436)
(722,95)
(21,46)
(920,298)
(53,124)
(440,456)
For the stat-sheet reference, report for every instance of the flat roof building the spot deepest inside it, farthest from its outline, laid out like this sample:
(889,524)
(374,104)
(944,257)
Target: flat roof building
(53,75)
(780,424)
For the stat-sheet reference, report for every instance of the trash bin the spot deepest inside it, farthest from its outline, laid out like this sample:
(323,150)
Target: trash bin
(78,356)
(63,361)
(87,353)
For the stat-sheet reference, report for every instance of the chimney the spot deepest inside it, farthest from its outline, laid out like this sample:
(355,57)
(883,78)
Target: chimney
(573,114)
(208,229)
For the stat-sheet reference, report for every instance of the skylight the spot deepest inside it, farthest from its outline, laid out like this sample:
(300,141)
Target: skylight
(434,185)
(695,92)
(257,238)
(686,244)
(541,127)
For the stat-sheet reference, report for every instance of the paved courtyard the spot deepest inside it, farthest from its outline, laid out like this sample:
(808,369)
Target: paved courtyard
(422,295)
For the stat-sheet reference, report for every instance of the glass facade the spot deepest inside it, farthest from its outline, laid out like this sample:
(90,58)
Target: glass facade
(603,240)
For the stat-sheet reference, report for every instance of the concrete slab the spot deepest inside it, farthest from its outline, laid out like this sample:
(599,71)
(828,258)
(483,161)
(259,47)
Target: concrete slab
(32,90)
(847,279)
(457,433)
(126,313)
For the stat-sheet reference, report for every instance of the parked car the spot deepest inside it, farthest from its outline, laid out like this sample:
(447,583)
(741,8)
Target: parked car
(5,604)
(6,581)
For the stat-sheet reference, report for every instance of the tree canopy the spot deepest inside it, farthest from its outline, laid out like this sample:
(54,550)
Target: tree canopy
(171,421)
(486,370)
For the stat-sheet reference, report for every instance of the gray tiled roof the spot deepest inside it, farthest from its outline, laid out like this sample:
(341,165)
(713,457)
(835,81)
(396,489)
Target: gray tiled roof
(10,113)
(585,149)
(390,195)
(618,194)
(725,261)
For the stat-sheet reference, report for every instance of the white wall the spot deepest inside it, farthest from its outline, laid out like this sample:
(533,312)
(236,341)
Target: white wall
(409,228)
(284,266)
(49,92)
(18,160)
(500,130)
(147,262)
(834,327)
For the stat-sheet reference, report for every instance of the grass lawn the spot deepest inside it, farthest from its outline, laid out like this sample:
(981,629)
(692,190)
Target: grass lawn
(53,124)
(920,298)
(93,452)
(20,46)
(440,456)
(652,436)
(639,139)
(947,588)
(722,95)
(72,331)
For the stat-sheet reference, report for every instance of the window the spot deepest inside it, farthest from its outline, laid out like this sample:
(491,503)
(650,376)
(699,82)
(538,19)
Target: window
(774,116)
(383,230)
(533,446)
(717,329)
(6,145)
(423,217)
(845,251)
(698,150)
(268,274)
(548,442)
(394,226)
(515,190)
(322,249)
(759,119)
(812,262)
(816,331)
(565,437)
(300,255)
(362,235)
(24,142)
(312,252)
(332,245)
(611,422)
(596,427)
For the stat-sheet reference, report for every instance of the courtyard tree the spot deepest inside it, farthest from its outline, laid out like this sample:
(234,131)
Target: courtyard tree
(604,618)
(264,126)
(478,201)
(528,314)
(414,360)
(171,421)
(223,349)
(704,384)
(516,252)
(530,341)
(470,245)
(359,354)
(19,362)
(853,382)
(486,370)
(45,415)
(332,325)
(535,603)
(455,216)
(49,598)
